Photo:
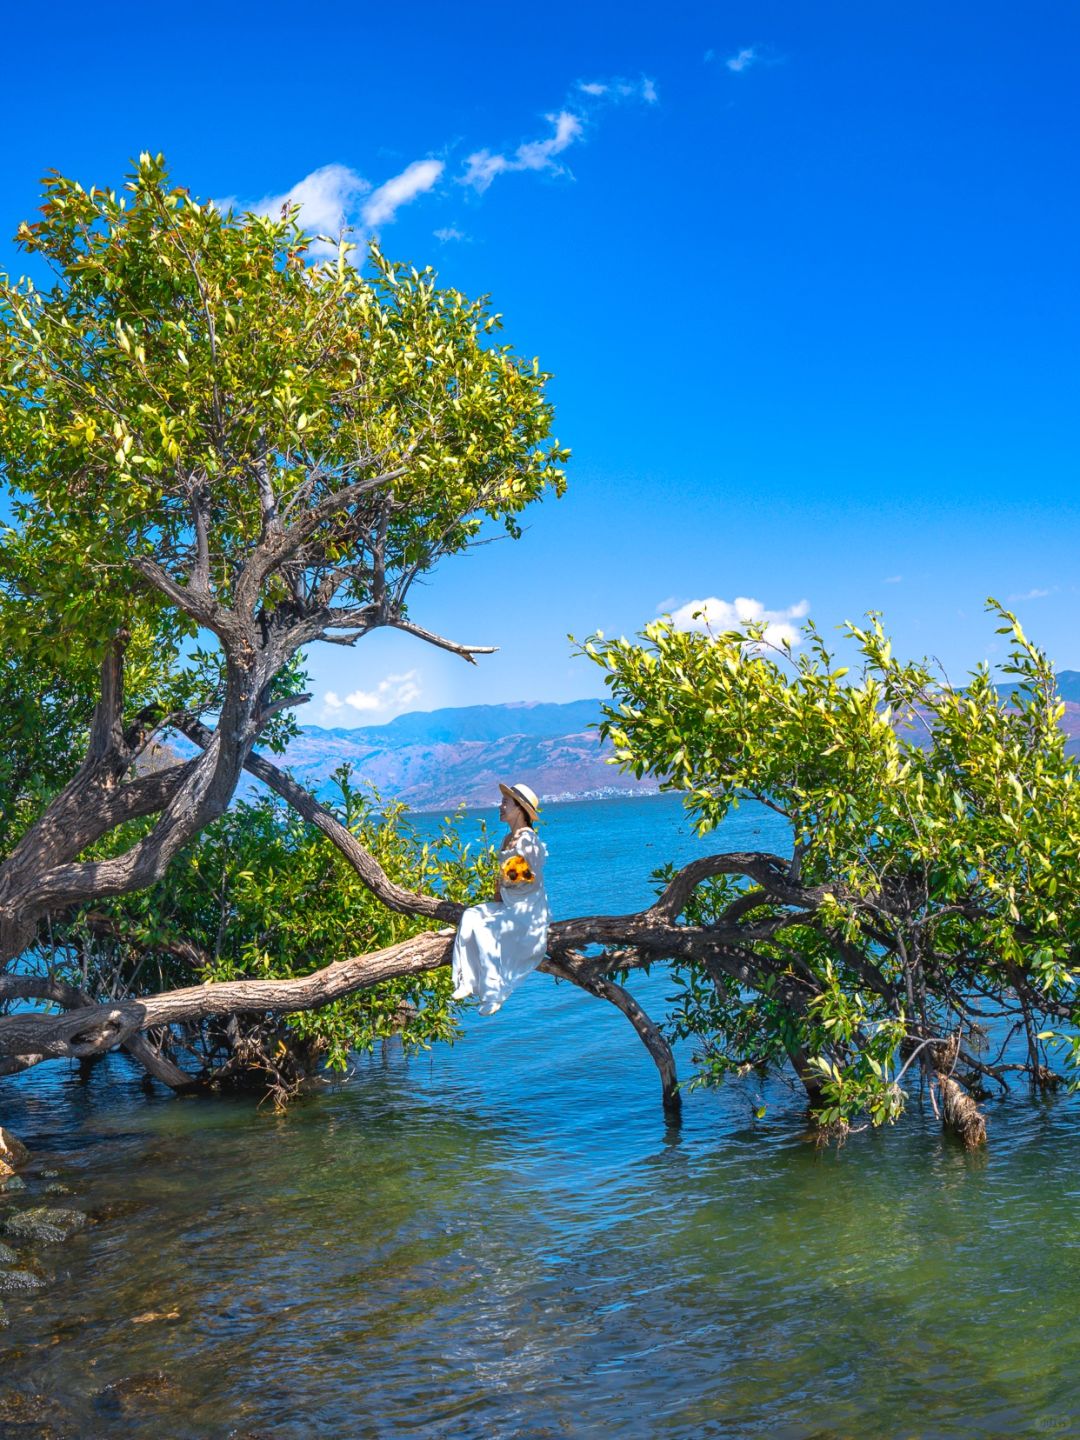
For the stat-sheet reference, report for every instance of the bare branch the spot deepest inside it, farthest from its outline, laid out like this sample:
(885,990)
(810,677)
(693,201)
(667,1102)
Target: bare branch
(467,652)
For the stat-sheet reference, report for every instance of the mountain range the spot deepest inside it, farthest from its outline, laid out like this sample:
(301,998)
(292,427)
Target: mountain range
(442,758)
(438,759)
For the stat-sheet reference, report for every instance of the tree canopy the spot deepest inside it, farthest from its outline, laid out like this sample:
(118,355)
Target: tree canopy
(218,450)
(931,902)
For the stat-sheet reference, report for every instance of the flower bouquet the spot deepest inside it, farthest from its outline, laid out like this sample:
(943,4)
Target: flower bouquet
(516,871)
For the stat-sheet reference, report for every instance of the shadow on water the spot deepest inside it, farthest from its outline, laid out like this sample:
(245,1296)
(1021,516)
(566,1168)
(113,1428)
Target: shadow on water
(503,1238)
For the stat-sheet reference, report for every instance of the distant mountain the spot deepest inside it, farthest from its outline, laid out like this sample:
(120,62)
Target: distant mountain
(437,759)
(1068,687)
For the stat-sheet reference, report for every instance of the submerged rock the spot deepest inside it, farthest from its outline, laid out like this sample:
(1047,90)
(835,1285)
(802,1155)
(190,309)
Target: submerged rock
(50,1174)
(131,1394)
(43,1224)
(33,1416)
(13,1282)
(13,1153)
(114,1210)
(12,1183)
(57,1189)
(7,1255)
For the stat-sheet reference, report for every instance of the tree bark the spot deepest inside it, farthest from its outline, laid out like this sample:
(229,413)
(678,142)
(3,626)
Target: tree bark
(648,1031)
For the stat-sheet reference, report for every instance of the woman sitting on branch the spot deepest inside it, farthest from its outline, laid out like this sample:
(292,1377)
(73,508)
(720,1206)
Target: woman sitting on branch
(500,942)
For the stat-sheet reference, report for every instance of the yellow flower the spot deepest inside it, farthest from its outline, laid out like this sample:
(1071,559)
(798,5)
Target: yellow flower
(516,870)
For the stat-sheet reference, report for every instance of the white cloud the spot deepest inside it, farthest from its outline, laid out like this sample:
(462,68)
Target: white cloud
(416,179)
(643,89)
(335,197)
(893,579)
(326,198)
(716,615)
(1035,594)
(394,693)
(743,60)
(483,166)
(330,197)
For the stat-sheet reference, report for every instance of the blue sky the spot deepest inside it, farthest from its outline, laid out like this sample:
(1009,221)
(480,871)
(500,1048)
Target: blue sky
(806,276)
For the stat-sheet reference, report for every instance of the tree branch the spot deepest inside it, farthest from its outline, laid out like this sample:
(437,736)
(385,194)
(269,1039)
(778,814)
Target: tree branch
(467,652)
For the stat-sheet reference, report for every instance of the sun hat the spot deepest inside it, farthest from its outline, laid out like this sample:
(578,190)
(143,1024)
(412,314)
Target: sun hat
(524,796)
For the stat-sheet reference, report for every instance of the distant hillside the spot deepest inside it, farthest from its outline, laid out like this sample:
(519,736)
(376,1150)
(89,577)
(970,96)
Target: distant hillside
(441,758)
(1068,685)
(437,759)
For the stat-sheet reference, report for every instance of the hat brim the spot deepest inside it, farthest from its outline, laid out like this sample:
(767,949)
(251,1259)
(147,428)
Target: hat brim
(512,794)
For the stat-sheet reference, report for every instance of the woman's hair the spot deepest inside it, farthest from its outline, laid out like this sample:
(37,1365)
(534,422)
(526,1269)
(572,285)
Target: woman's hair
(529,821)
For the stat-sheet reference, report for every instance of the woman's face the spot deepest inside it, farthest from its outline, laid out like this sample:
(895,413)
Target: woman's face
(511,813)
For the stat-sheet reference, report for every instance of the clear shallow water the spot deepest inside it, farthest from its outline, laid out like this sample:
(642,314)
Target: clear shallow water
(503,1238)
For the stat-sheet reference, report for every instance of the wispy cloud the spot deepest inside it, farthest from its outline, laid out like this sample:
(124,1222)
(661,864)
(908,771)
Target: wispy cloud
(743,59)
(569,124)
(483,165)
(335,197)
(327,197)
(643,89)
(394,693)
(893,579)
(717,615)
(416,179)
(1035,594)
(332,197)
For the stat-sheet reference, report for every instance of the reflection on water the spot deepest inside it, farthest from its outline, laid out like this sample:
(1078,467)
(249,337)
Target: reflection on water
(503,1239)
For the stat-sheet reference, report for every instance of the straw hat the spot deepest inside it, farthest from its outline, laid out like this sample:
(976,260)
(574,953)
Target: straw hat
(524,796)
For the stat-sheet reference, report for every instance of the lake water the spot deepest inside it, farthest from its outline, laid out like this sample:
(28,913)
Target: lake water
(503,1238)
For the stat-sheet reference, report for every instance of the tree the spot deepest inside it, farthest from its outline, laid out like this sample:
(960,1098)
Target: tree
(218,454)
(931,902)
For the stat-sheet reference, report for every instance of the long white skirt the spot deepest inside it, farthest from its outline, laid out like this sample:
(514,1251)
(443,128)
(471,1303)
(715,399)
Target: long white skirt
(497,945)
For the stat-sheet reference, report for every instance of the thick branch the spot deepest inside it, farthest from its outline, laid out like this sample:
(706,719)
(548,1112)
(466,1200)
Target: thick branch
(39,987)
(93,1029)
(192,599)
(106,734)
(394,896)
(652,1037)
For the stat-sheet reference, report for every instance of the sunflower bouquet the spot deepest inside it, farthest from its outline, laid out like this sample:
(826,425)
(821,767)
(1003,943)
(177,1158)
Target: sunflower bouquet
(516,871)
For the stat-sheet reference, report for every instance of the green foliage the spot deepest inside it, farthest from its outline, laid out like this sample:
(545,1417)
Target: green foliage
(935,837)
(262,894)
(179,341)
(184,354)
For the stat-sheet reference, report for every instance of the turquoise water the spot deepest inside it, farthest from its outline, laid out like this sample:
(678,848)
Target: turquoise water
(503,1238)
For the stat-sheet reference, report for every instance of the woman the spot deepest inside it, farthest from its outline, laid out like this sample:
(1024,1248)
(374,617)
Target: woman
(499,943)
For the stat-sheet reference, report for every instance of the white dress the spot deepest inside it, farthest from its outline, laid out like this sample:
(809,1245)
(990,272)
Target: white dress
(502,941)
